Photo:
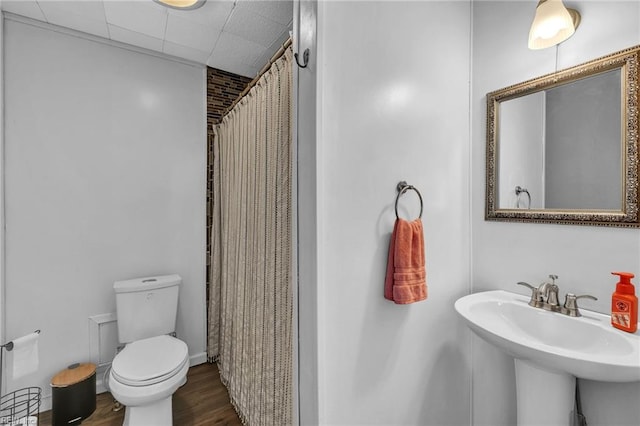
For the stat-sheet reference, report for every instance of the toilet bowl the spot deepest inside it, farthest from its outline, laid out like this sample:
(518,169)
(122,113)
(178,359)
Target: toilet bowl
(144,376)
(152,365)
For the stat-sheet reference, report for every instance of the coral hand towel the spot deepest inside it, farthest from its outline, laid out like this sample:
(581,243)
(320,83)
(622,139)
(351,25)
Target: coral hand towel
(405,281)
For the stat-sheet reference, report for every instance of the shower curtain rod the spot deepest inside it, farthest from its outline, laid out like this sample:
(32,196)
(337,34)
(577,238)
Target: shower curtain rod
(264,69)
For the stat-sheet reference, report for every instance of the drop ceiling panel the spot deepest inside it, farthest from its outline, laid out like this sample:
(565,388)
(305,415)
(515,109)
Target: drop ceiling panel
(230,64)
(185,52)
(93,10)
(135,39)
(78,22)
(142,17)
(268,53)
(278,11)
(30,9)
(188,33)
(238,36)
(241,50)
(213,13)
(253,27)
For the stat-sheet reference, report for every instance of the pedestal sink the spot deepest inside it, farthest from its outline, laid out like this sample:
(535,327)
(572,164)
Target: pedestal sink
(550,351)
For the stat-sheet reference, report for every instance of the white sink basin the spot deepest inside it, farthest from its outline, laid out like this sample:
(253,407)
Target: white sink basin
(587,347)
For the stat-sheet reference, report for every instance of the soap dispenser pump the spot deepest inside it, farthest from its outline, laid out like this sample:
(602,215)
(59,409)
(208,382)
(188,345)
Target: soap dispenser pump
(624,304)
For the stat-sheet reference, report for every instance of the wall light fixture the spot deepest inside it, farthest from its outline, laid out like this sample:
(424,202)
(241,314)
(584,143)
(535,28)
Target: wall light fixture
(553,24)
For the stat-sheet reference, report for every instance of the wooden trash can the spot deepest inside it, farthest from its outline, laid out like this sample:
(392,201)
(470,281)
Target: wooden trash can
(73,393)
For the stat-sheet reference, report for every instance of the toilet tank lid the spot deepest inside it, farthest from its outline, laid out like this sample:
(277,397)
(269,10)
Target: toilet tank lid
(146,283)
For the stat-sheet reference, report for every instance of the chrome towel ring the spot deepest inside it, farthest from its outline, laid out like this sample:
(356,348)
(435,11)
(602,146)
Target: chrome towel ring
(402,188)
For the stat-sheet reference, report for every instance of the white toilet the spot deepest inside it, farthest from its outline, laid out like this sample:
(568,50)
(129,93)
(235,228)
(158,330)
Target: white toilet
(152,365)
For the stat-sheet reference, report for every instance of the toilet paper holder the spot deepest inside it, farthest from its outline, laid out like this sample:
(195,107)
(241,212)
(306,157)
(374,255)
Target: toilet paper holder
(9,347)
(22,403)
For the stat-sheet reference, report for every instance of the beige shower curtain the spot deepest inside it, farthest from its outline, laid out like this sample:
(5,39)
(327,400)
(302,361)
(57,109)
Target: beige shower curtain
(250,308)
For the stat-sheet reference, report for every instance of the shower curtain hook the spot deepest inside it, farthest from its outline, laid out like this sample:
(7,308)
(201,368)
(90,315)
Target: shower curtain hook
(305,57)
(305,54)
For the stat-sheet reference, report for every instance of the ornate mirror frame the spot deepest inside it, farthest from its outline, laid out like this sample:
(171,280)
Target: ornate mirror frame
(628,62)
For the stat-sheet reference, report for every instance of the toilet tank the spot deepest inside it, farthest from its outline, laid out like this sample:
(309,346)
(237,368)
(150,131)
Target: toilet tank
(146,307)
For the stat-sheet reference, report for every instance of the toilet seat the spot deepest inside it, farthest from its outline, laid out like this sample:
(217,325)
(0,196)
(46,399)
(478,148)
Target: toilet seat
(150,361)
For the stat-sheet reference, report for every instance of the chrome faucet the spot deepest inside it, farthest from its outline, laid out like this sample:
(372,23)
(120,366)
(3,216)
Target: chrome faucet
(571,304)
(545,296)
(550,294)
(537,298)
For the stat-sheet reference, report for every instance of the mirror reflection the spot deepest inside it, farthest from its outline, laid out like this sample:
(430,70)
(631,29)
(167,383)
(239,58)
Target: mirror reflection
(562,146)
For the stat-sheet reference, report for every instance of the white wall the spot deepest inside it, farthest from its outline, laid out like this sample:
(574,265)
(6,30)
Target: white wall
(505,253)
(392,105)
(105,161)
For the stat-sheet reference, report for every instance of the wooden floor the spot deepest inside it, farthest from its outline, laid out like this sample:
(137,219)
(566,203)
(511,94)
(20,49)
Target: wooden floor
(202,401)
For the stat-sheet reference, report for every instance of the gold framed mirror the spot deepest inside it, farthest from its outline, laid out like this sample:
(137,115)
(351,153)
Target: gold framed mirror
(563,148)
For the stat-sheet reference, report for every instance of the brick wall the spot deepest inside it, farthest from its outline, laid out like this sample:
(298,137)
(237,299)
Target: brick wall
(222,89)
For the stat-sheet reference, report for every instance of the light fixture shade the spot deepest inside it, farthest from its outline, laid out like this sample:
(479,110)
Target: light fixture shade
(181,4)
(552,24)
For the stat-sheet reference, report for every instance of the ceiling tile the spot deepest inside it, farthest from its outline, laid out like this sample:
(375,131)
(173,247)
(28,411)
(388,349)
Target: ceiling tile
(192,34)
(213,13)
(77,22)
(135,39)
(279,11)
(253,27)
(28,8)
(239,36)
(241,50)
(185,52)
(262,60)
(93,10)
(229,64)
(145,17)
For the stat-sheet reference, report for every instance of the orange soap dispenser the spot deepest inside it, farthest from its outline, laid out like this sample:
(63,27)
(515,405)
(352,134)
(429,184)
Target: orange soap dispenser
(624,304)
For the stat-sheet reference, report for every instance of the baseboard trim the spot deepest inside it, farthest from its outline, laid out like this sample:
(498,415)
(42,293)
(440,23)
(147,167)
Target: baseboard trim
(197,359)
